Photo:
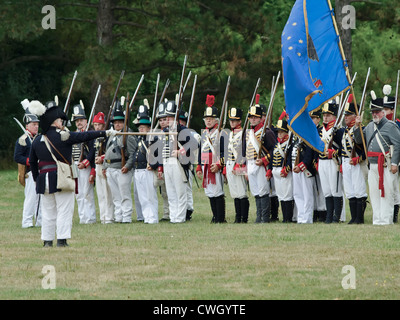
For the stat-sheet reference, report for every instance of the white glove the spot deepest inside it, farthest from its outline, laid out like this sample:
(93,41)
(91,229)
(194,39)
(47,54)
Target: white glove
(111,133)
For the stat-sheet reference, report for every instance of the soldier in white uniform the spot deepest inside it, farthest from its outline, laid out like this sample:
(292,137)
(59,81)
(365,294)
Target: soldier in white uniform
(353,158)
(235,167)
(31,212)
(83,156)
(119,176)
(329,164)
(174,171)
(382,139)
(279,168)
(256,164)
(143,177)
(104,196)
(211,162)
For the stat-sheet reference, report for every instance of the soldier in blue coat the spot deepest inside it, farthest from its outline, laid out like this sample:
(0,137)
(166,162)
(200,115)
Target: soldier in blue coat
(57,204)
(31,210)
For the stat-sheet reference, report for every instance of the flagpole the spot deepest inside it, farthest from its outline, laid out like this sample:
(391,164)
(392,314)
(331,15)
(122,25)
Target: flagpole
(348,76)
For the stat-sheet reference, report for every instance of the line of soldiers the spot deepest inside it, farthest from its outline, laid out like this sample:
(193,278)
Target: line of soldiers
(273,164)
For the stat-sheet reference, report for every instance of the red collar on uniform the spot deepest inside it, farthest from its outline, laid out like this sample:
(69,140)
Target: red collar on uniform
(285,138)
(352,123)
(259,126)
(329,125)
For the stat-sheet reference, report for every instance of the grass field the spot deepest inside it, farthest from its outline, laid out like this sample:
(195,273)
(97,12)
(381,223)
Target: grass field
(197,260)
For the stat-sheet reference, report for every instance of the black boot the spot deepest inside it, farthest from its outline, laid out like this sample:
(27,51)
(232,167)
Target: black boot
(353,210)
(338,206)
(290,209)
(265,209)
(220,209)
(315,216)
(395,213)
(47,243)
(244,209)
(360,211)
(258,209)
(62,243)
(284,211)
(322,216)
(364,206)
(189,214)
(213,209)
(274,208)
(238,210)
(329,209)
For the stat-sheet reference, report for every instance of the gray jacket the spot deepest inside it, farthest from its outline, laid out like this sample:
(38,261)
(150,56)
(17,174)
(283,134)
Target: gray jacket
(389,134)
(112,158)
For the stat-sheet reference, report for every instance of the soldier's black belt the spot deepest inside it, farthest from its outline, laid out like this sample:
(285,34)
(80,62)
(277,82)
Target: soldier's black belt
(113,160)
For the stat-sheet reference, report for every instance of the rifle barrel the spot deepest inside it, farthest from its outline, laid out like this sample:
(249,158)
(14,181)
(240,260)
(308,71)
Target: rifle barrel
(93,108)
(69,93)
(191,100)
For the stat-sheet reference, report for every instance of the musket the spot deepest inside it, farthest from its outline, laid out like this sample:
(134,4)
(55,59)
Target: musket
(251,103)
(224,103)
(89,121)
(225,116)
(136,92)
(191,100)
(155,103)
(178,107)
(125,129)
(342,105)
(396,96)
(184,87)
(268,117)
(363,97)
(271,102)
(102,145)
(66,106)
(164,91)
(93,108)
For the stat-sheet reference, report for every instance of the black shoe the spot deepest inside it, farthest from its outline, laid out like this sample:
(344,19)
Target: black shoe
(47,243)
(189,214)
(62,243)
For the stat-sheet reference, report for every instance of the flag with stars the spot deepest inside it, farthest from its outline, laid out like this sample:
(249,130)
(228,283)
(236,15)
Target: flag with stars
(314,70)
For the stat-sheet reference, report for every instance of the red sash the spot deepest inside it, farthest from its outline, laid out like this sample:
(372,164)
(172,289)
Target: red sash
(381,162)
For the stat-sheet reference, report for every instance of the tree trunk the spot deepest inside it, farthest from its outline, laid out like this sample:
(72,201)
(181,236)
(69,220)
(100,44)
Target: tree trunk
(345,34)
(105,19)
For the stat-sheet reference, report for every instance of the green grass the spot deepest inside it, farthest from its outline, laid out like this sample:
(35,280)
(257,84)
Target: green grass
(197,260)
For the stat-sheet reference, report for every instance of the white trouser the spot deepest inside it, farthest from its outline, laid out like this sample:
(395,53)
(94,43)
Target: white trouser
(237,183)
(85,197)
(259,185)
(382,207)
(147,195)
(319,198)
(138,206)
(304,197)
(31,204)
(217,189)
(283,186)
(331,178)
(57,214)
(160,183)
(104,196)
(121,189)
(176,190)
(396,189)
(353,180)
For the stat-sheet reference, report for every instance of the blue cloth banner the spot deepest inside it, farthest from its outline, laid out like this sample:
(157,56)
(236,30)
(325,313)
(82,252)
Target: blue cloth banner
(314,71)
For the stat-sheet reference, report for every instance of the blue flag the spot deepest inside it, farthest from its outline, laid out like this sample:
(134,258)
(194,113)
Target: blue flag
(314,71)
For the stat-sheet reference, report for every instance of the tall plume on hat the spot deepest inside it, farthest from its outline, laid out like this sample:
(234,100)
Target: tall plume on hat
(210,100)
(373,95)
(257,98)
(350,99)
(387,89)
(25,104)
(37,108)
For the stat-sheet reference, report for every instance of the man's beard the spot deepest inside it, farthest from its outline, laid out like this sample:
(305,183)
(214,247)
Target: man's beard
(376,120)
